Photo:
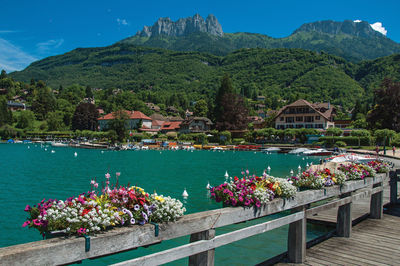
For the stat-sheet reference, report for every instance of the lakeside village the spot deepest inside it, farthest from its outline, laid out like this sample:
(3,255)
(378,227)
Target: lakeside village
(117,119)
(301,123)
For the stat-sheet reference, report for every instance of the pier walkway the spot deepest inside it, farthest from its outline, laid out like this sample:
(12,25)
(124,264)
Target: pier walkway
(372,242)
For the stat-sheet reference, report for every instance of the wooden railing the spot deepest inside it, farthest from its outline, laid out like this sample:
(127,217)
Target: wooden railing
(394,179)
(201,228)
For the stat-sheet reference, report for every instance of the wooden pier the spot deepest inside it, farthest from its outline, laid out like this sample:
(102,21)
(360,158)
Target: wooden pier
(372,242)
(203,240)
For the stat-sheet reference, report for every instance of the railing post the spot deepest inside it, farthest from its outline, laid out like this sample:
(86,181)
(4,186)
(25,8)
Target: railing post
(344,218)
(376,204)
(206,257)
(393,186)
(297,238)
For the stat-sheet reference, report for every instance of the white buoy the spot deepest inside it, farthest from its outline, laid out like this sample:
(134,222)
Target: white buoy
(101,152)
(303,158)
(208,185)
(45,149)
(185,194)
(75,154)
(53,151)
(29,147)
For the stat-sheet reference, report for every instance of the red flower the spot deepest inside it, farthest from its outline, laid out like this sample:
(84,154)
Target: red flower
(236,178)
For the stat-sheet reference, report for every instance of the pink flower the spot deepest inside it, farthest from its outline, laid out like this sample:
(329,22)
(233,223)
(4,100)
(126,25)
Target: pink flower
(26,223)
(92,182)
(117,173)
(107,175)
(27,208)
(96,185)
(36,222)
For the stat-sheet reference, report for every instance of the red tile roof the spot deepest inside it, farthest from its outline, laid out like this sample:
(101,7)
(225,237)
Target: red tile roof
(131,115)
(171,125)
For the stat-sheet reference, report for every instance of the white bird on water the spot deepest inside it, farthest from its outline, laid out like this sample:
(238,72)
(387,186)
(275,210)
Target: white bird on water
(291,172)
(269,168)
(226,174)
(75,154)
(185,194)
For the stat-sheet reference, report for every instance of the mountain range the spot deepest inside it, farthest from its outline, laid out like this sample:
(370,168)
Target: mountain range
(189,56)
(352,40)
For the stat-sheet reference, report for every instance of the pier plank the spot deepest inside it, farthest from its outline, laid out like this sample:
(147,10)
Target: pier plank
(373,242)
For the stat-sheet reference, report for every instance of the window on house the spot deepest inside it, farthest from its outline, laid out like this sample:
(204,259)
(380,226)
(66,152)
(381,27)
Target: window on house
(290,119)
(317,117)
(299,118)
(282,119)
(308,119)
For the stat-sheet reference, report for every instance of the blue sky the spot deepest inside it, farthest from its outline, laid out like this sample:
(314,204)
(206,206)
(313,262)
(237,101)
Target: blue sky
(32,30)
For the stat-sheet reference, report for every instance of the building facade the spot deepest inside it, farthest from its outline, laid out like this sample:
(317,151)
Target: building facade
(133,121)
(303,114)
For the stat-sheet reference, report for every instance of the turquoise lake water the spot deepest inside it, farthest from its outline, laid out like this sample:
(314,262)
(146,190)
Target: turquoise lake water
(30,173)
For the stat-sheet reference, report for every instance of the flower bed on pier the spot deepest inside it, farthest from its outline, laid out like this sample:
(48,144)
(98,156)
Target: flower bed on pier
(95,211)
(317,179)
(251,190)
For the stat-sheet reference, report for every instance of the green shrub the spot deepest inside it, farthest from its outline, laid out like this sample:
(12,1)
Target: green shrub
(340,144)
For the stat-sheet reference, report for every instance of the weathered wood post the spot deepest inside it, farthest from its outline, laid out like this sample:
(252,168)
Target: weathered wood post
(393,185)
(206,257)
(344,218)
(376,204)
(297,238)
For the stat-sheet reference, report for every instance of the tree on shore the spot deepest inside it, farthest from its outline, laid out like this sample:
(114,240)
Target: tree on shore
(230,112)
(5,114)
(385,113)
(118,124)
(85,117)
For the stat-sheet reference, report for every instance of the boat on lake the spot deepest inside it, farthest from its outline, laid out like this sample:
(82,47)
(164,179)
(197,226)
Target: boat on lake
(317,152)
(299,151)
(271,149)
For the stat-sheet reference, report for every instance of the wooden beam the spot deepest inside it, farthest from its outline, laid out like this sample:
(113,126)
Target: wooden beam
(344,219)
(206,257)
(297,239)
(376,204)
(204,245)
(393,187)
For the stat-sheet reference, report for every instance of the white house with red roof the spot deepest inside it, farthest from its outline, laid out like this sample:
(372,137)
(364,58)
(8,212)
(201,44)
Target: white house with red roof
(303,114)
(134,118)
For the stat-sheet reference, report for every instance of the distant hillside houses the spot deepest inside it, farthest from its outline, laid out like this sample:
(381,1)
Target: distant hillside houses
(303,114)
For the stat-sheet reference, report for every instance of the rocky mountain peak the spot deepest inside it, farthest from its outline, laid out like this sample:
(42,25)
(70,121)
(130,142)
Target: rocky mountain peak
(349,27)
(183,26)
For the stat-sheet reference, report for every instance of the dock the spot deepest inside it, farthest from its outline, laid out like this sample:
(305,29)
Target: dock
(370,242)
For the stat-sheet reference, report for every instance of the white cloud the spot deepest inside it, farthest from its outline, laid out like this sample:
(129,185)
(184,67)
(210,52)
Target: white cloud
(13,58)
(122,22)
(357,21)
(45,47)
(379,28)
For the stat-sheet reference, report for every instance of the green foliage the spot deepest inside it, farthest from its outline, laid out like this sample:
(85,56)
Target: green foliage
(334,131)
(85,117)
(340,144)
(26,120)
(385,113)
(176,78)
(360,133)
(118,125)
(55,121)
(350,141)
(200,108)
(43,100)
(384,134)
(5,114)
